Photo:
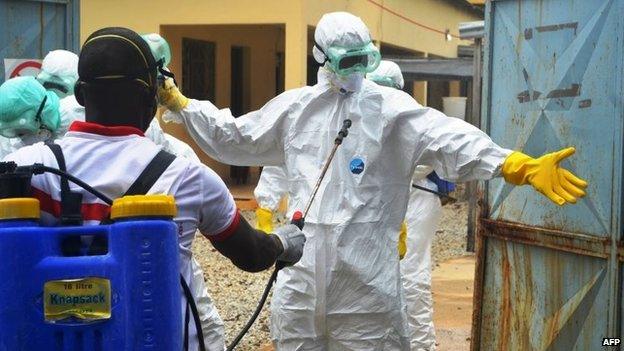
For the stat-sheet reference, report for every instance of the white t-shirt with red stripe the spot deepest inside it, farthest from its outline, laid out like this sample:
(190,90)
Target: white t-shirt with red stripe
(110,159)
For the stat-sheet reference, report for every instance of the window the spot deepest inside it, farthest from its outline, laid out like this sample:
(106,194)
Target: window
(198,69)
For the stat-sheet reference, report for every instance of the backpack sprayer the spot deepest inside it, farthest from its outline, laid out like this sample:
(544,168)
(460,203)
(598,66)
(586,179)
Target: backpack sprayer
(123,292)
(298,219)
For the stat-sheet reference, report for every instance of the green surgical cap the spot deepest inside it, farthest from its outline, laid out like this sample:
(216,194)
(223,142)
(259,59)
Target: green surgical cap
(22,107)
(159,47)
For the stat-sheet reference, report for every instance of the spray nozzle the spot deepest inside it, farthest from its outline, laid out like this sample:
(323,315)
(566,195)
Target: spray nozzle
(344,131)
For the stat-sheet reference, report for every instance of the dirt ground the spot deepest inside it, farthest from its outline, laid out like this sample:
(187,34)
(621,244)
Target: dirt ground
(236,293)
(452,287)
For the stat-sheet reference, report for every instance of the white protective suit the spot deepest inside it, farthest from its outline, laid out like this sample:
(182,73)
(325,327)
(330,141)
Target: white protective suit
(212,324)
(423,216)
(345,293)
(273,185)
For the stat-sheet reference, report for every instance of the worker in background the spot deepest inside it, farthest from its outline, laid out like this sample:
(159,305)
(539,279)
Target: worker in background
(19,122)
(118,111)
(59,72)
(28,114)
(422,218)
(346,293)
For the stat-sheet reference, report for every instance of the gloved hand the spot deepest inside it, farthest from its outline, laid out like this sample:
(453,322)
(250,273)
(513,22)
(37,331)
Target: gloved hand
(170,96)
(545,175)
(403,240)
(264,220)
(292,240)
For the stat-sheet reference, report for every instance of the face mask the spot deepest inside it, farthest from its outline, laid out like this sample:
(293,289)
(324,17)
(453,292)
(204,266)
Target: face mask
(349,83)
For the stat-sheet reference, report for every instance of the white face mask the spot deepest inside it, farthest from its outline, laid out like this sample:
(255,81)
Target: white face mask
(345,84)
(350,83)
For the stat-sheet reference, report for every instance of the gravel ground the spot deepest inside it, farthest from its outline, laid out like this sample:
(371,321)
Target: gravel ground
(236,293)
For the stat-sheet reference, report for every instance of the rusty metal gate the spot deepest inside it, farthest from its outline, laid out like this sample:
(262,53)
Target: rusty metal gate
(548,278)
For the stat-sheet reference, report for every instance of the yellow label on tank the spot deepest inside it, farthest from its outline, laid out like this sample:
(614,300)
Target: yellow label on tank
(86,298)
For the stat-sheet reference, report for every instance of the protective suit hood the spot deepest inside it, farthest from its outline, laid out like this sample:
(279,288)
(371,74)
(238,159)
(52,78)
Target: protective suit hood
(59,72)
(339,29)
(387,74)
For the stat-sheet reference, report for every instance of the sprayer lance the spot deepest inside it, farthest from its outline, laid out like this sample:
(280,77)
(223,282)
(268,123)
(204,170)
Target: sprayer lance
(346,124)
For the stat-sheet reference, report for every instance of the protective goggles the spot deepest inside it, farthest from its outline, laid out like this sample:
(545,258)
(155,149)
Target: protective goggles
(345,61)
(385,81)
(25,126)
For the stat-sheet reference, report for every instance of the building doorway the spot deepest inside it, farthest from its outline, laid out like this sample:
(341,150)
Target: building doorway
(239,98)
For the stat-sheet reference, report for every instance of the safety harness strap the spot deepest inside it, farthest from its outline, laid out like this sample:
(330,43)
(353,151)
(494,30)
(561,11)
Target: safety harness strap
(71,201)
(151,173)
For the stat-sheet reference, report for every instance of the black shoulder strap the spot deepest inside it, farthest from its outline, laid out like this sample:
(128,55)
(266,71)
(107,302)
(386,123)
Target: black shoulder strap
(71,202)
(151,173)
(60,159)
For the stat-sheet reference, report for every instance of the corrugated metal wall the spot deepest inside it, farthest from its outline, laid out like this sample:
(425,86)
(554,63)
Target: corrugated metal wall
(548,276)
(32,28)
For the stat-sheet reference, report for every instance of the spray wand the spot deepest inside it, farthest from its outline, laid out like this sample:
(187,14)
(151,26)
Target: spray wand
(298,219)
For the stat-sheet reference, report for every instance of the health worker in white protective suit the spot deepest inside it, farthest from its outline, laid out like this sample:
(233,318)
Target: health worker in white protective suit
(273,184)
(422,217)
(345,293)
(212,324)
(59,72)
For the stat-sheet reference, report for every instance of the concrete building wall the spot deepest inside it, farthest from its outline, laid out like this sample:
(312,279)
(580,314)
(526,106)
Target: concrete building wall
(271,26)
(390,21)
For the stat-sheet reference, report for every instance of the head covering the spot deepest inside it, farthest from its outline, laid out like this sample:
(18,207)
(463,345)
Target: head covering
(159,47)
(343,43)
(340,29)
(59,72)
(388,74)
(115,53)
(26,108)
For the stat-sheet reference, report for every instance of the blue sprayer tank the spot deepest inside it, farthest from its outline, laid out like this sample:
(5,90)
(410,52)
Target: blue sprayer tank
(123,296)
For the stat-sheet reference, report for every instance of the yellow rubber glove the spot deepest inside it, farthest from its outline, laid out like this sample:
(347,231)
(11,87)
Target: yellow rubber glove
(264,220)
(170,96)
(545,175)
(403,240)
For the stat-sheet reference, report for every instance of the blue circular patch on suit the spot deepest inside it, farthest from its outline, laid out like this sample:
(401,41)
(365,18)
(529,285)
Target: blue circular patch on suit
(357,165)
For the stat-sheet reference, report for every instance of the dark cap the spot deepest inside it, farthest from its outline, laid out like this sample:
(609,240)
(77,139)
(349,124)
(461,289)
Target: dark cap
(117,53)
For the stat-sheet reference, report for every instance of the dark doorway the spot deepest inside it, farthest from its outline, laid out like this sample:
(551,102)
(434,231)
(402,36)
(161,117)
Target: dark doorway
(280,73)
(239,98)
(198,69)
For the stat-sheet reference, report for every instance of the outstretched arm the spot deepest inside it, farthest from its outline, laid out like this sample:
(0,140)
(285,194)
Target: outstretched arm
(254,139)
(460,152)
